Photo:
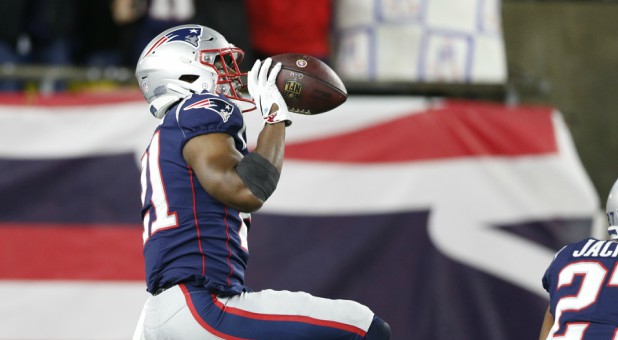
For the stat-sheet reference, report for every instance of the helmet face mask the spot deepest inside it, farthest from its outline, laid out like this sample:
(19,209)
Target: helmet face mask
(225,63)
(189,59)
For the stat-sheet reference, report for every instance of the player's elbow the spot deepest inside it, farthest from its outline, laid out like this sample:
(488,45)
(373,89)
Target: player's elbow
(235,195)
(248,203)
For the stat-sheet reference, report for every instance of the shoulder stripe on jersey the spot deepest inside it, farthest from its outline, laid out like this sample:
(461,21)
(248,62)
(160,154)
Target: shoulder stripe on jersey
(178,115)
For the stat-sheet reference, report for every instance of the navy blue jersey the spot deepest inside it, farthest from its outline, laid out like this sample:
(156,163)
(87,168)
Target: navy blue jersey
(188,235)
(582,282)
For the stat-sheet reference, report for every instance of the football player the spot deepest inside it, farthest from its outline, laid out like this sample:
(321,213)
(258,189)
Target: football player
(582,282)
(199,184)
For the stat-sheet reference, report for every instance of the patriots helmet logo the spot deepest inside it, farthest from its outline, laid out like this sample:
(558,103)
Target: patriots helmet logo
(188,35)
(221,107)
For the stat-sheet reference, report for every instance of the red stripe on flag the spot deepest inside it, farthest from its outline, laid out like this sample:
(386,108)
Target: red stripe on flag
(72,99)
(71,252)
(454,130)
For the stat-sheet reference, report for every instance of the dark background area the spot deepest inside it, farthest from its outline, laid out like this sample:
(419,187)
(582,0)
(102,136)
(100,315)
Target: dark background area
(565,54)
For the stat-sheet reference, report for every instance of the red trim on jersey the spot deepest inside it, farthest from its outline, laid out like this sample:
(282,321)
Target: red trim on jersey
(197,224)
(291,318)
(229,250)
(566,329)
(199,319)
(159,180)
(614,273)
(457,129)
(33,251)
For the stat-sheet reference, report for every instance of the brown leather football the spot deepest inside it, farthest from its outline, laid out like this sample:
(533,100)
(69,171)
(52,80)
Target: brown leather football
(308,85)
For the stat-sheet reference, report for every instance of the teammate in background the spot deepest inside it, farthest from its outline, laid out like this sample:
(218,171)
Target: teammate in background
(199,184)
(582,282)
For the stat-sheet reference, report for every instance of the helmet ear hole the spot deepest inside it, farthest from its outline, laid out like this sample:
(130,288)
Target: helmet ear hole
(189,78)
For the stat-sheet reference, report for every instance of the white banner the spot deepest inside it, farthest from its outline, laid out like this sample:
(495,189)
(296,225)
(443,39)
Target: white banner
(437,41)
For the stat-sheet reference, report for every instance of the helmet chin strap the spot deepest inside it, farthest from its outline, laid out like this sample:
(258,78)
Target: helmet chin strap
(161,104)
(175,93)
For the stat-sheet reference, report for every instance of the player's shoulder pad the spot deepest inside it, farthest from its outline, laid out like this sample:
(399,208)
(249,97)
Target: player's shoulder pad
(208,103)
(568,249)
(559,251)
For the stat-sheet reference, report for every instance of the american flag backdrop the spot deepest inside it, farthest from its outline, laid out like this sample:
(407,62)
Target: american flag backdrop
(439,215)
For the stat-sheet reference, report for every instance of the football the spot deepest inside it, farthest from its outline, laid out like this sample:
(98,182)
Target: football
(308,85)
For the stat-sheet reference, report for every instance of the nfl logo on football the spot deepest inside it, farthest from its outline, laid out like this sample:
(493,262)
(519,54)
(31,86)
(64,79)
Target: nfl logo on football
(292,89)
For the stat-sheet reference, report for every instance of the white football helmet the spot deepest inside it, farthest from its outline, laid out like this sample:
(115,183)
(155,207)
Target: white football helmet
(188,59)
(612,212)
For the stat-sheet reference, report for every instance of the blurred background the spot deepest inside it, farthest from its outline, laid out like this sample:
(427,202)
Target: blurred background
(500,111)
(557,53)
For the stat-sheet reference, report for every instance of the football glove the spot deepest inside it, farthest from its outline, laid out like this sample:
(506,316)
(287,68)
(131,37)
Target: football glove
(263,89)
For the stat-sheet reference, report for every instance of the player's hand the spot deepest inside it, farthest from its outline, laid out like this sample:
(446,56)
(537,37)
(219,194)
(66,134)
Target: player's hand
(268,100)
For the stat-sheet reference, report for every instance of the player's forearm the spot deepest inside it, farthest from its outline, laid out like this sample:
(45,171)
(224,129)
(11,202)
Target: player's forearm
(260,170)
(548,322)
(236,194)
(271,144)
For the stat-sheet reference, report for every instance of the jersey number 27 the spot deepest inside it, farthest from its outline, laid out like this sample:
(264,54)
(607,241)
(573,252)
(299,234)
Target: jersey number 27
(593,275)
